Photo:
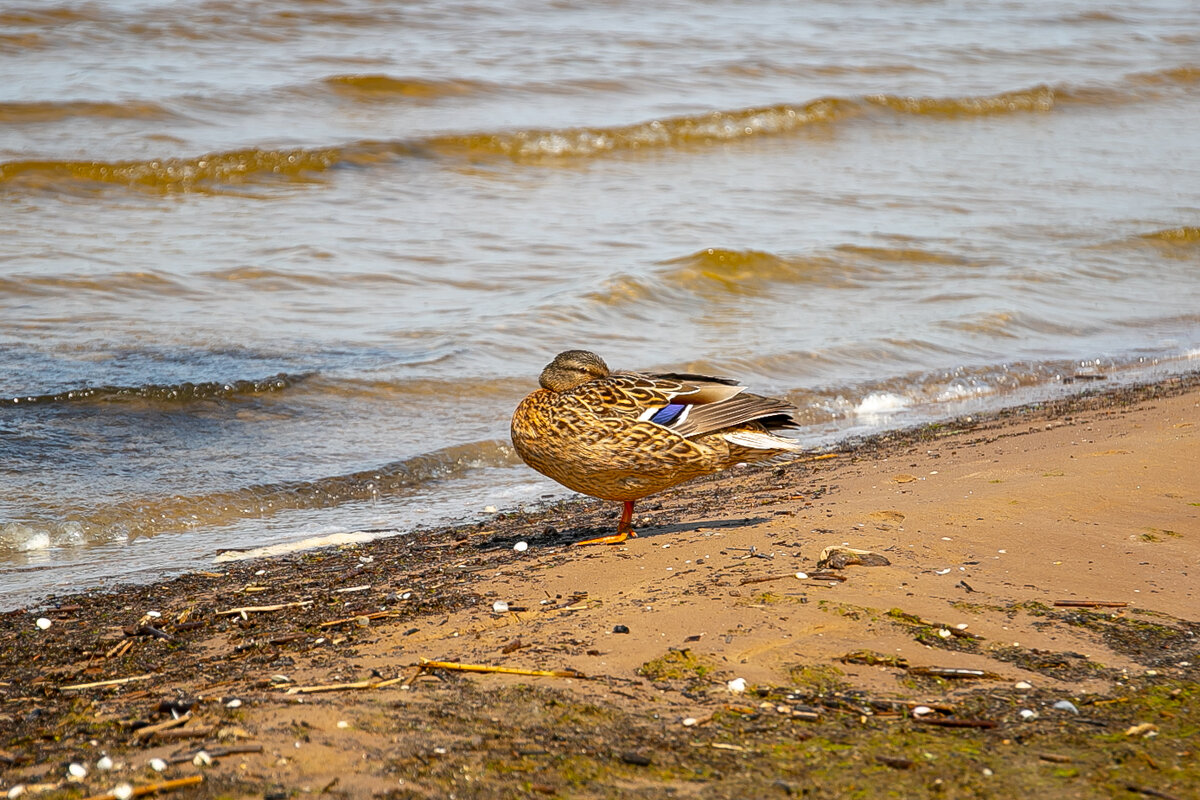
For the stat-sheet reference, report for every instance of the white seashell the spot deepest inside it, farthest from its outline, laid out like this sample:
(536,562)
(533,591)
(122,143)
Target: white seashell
(122,791)
(77,771)
(1022,685)
(104,763)
(43,623)
(921,711)
(202,759)
(157,764)
(234,703)
(1066,705)
(521,547)
(499,606)
(737,685)
(343,724)
(945,634)
(489,509)
(1028,714)
(802,576)
(16,791)
(689,722)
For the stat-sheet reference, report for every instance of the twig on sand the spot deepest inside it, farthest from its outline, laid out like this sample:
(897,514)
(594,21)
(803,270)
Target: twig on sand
(372,616)
(152,788)
(541,673)
(744,581)
(113,682)
(150,730)
(953,722)
(1088,604)
(337,687)
(1146,790)
(955,672)
(216,752)
(243,611)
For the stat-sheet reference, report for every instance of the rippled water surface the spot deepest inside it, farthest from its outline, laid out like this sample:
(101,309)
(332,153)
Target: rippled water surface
(280,269)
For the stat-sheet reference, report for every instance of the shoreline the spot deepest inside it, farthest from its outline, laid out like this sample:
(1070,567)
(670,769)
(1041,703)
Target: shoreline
(987,524)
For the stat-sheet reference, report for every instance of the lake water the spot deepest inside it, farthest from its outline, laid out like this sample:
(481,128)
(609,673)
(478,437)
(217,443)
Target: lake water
(281,269)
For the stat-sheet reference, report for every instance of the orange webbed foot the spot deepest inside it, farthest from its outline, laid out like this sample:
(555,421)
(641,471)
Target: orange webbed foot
(616,538)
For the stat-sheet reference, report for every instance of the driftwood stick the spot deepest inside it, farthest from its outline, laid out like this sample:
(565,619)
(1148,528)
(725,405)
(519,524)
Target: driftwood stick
(113,682)
(248,609)
(150,730)
(372,616)
(216,752)
(334,687)
(541,673)
(1088,604)
(153,788)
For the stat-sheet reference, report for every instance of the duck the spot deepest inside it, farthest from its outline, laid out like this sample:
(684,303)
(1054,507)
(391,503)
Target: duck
(624,436)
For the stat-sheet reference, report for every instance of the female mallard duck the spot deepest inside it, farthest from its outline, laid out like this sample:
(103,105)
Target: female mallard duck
(625,435)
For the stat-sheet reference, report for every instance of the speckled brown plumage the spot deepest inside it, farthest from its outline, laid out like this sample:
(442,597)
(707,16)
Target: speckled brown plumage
(594,431)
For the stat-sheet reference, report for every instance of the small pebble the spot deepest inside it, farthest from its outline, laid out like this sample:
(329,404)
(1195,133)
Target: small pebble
(77,771)
(521,547)
(234,703)
(343,724)
(921,711)
(1028,714)
(43,623)
(104,763)
(154,614)
(1022,685)
(945,634)
(962,626)
(987,773)
(157,764)
(202,759)
(16,791)
(122,791)
(499,606)
(620,629)
(1066,705)
(737,685)
(802,576)
(689,722)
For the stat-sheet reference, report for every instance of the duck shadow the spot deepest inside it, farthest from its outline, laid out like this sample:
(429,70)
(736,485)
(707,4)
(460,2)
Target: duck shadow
(698,525)
(569,535)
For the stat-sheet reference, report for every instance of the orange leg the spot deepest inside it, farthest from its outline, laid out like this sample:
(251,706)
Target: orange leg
(624,529)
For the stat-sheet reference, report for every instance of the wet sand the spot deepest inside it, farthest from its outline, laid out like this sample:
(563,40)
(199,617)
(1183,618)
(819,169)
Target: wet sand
(1000,535)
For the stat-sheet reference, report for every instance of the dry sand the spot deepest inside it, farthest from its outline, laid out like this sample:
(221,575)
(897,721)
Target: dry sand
(985,523)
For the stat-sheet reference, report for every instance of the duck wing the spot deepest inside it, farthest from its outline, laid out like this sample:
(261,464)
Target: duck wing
(733,412)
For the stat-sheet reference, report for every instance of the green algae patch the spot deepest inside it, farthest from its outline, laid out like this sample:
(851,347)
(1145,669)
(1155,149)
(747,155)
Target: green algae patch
(677,665)
(817,679)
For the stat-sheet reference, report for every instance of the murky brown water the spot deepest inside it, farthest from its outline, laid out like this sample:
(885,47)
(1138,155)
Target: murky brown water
(279,269)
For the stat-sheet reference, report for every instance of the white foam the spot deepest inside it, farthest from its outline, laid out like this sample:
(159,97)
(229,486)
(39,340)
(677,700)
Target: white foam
(324,540)
(24,538)
(881,403)
(958,391)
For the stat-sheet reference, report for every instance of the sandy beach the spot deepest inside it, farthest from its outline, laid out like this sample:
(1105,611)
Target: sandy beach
(1007,606)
